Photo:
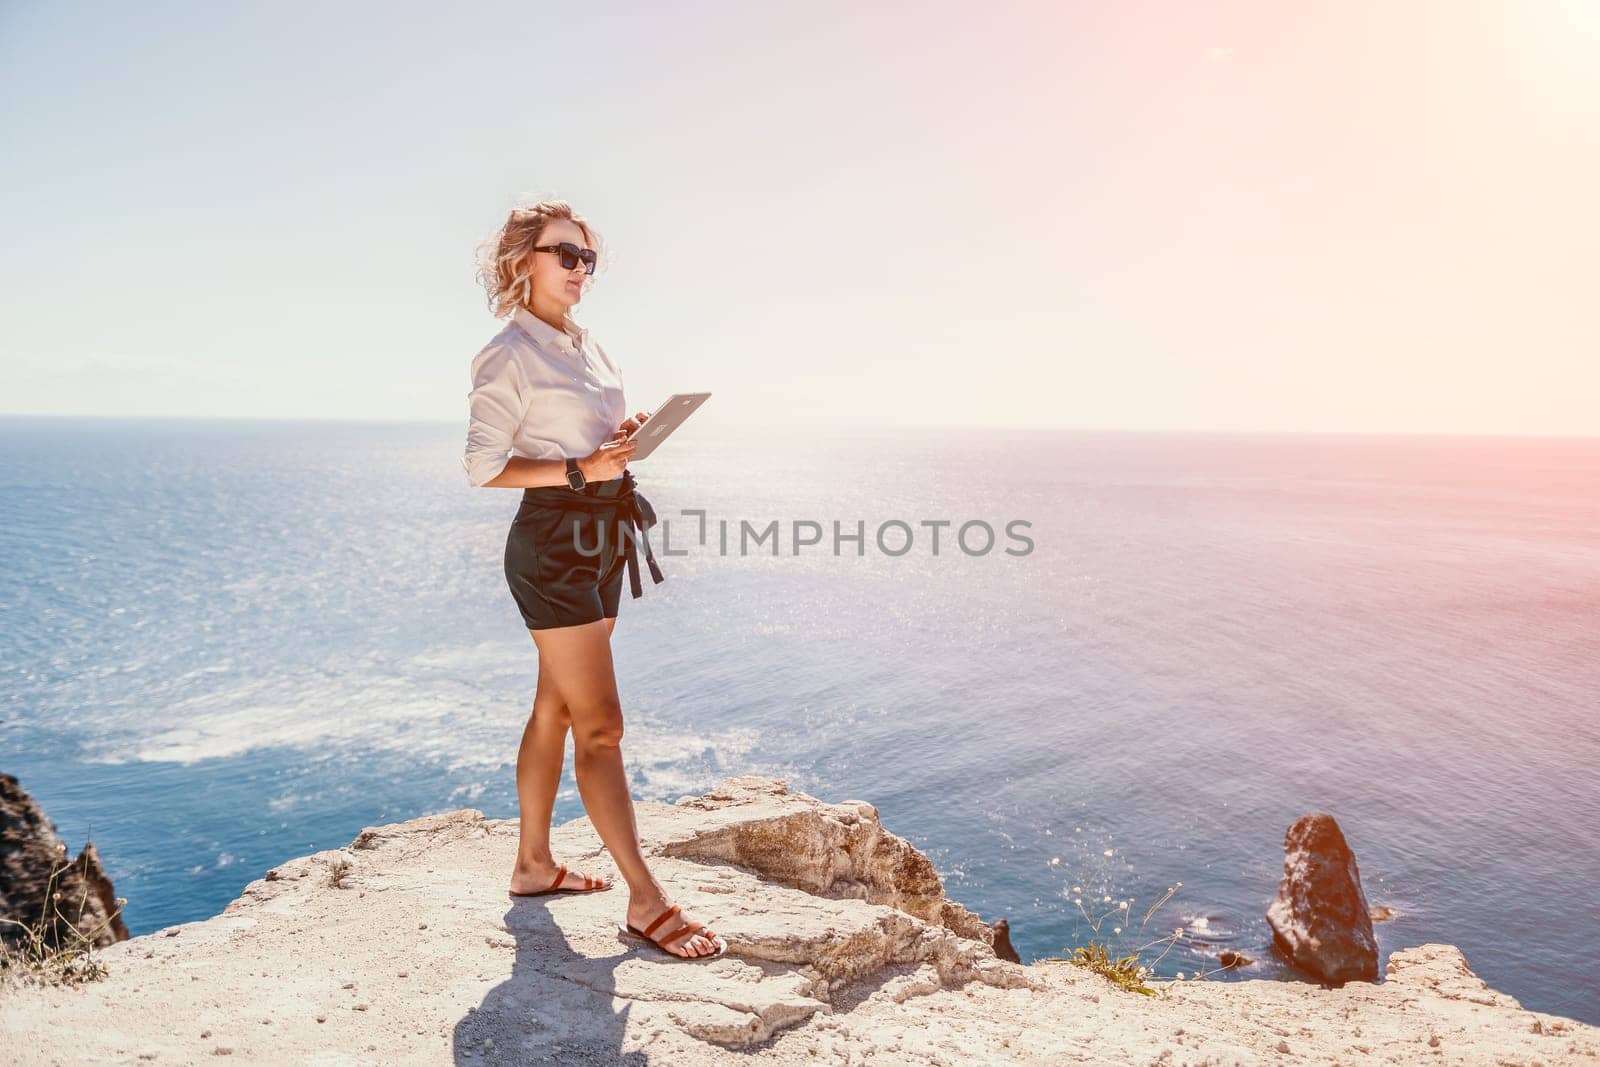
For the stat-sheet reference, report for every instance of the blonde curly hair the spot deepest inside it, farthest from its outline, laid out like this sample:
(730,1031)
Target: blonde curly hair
(505,266)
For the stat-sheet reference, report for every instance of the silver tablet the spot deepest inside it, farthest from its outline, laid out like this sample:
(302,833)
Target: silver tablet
(662,421)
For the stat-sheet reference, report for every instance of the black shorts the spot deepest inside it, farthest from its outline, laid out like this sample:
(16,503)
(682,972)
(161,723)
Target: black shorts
(566,551)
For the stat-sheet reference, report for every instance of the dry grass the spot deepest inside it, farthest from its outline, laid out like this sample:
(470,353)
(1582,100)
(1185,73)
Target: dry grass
(33,957)
(338,871)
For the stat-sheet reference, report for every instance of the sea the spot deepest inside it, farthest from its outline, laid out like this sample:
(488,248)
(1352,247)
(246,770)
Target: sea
(1094,675)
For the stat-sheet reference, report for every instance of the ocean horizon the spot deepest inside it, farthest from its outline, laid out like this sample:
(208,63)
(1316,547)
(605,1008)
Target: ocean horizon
(232,642)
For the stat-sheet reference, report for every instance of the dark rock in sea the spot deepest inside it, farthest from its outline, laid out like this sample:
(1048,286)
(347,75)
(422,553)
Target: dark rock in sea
(1320,919)
(30,852)
(1002,942)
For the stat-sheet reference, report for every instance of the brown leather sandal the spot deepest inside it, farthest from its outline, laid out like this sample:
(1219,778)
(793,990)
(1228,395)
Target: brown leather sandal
(590,885)
(686,930)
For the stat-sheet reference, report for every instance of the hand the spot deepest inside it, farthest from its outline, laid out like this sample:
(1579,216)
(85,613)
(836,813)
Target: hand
(630,425)
(607,461)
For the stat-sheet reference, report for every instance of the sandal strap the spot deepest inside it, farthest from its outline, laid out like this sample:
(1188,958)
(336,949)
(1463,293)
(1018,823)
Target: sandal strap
(686,928)
(663,917)
(562,873)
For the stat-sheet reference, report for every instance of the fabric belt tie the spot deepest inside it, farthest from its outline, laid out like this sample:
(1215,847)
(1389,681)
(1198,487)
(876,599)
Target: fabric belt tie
(636,514)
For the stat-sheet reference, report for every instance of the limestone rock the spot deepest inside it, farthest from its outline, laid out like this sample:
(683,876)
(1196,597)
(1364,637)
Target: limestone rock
(404,948)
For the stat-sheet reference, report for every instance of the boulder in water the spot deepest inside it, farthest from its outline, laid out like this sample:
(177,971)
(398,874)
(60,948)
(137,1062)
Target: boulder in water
(1320,919)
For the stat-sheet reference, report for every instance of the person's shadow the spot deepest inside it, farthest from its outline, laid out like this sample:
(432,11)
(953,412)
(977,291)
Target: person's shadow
(555,1006)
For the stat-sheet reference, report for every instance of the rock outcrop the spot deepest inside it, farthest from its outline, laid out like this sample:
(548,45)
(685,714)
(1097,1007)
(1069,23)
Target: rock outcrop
(34,867)
(1320,919)
(404,948)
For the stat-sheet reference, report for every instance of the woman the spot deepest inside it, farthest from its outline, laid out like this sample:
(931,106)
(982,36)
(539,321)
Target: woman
(546,417)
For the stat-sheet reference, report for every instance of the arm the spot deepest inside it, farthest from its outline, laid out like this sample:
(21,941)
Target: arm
(496,407)
(523,473)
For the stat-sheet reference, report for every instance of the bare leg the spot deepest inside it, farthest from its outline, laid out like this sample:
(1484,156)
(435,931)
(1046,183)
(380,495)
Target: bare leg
(539,761)
(579,660)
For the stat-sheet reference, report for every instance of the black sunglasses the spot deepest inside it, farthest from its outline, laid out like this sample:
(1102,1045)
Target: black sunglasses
(571,254)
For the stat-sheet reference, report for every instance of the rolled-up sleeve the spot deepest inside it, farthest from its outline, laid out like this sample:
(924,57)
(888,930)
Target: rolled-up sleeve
(495,408)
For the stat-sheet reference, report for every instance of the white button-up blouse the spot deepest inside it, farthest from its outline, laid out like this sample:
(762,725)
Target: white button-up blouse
(540,393)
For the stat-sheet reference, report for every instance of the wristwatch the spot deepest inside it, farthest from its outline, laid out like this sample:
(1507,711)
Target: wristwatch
(575,476)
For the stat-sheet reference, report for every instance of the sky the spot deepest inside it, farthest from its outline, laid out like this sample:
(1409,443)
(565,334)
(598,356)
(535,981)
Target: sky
(1255,216)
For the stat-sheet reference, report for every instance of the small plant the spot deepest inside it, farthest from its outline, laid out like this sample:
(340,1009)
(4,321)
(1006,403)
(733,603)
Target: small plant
(1104,957)
(1125,971)
(1108,955)
(1111,954)
(338,871)
(58,959)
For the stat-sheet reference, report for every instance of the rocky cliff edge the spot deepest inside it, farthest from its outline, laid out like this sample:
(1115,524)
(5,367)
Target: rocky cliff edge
(404,948)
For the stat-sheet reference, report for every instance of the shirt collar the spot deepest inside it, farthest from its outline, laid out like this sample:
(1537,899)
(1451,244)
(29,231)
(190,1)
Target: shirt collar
(541,330)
